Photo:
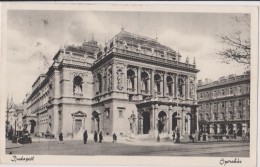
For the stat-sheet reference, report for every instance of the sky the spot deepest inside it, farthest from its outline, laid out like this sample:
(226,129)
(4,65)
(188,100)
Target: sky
(34,37)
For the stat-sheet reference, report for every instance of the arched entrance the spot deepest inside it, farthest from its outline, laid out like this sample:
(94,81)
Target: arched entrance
(230,129)
(188,123)
(239,129)
(223,129)
(33,124)
(146,122)
(215,128)
(162,122)
(174,121)
(95,122)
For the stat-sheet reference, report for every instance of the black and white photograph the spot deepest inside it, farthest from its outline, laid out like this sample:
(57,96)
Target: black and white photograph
(142,82)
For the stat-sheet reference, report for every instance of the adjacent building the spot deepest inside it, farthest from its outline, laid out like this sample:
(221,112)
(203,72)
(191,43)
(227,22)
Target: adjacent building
(224,105)
(132,86)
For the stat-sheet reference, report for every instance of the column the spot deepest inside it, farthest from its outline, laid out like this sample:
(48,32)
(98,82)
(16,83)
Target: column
(125,78)
(195,89)
(218,128)
(152,120)
(235,127)
(149,84)
(211,129)
(188,87)
(227,130)
(244,127)
(176,86)
(152,81)
(164,84)
(170,119)
(155,120)
(135,84)
(114,76)
(139,80)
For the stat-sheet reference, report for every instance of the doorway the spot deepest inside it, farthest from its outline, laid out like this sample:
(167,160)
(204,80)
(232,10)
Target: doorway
(146,122)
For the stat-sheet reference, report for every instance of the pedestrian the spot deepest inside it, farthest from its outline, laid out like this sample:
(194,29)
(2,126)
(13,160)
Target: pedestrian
(100,137)
(173,136)
(61,138)
(158,138)
(243,135)
(114,138)
(95,136)
(178,136)
(85,136)
(235,134)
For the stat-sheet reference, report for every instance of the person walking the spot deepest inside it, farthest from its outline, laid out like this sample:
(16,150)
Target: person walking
(85,136)
(235,134)
(158,138)
(114,138)
(173,136)
(95,136)
(61,138)
(100,137)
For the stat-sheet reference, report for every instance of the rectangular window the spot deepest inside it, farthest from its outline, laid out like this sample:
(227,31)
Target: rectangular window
(239,102)
(231,91)
(231,104)
(223,104)
(121,112)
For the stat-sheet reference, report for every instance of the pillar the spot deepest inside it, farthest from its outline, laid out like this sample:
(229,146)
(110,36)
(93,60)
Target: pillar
(152,82)
(211,130)
(176,86)
(155,120)
(187,88)
(218,128)
(135,84)
(244,127)
(227,129)
(170,119)
(164,84)
(139,80)
(235,127)
(114,76)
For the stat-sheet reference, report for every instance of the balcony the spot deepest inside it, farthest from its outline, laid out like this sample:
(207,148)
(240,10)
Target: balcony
(169,94)
(144,91)
(158,93)
(130,90)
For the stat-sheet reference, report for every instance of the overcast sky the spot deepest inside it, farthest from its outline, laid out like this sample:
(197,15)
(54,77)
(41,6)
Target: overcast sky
(34,33)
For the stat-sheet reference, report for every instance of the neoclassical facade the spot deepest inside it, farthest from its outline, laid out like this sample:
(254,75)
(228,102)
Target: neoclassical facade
(224,105)
(132,86)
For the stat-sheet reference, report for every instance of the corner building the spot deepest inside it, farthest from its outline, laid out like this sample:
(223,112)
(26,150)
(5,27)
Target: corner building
(224,105)
(132,86)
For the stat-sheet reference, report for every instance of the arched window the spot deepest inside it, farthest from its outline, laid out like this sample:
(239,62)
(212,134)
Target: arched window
(191,93)
(131,80)
(157,83)
(109,78)
(181,87)
(98,85)
(170,85)
(77,85)
(144,82)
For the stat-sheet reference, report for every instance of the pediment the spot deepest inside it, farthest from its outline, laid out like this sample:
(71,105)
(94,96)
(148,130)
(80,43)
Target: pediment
(79,114)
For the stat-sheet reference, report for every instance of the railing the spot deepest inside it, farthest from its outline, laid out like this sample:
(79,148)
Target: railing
(131,89)
(145,91)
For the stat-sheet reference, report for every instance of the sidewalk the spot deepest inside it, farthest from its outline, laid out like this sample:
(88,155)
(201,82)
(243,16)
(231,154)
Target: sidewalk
(10,145)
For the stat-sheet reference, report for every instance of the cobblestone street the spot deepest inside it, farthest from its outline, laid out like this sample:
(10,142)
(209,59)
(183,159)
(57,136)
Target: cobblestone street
(76,147)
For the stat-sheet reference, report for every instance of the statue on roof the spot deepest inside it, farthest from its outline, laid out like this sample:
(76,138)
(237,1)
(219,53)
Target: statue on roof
(187,60)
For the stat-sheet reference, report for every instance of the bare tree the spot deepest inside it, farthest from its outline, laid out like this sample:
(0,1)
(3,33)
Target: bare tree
(237,45)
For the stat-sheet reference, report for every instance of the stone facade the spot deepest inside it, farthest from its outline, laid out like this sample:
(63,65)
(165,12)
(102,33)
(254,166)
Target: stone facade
(134,85)
(224,105)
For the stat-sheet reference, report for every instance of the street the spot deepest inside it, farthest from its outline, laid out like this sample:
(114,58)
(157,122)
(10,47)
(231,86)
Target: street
(76,147)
